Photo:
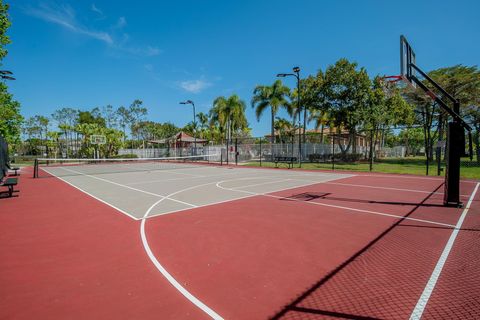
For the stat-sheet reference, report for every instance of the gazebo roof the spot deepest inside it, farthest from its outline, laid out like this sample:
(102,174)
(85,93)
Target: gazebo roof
(180,137)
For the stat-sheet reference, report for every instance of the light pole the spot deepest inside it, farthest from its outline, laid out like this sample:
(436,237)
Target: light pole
(296,74)
(194,126)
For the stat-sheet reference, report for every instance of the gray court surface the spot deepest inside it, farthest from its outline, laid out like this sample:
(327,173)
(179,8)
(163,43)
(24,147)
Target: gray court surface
(147,193)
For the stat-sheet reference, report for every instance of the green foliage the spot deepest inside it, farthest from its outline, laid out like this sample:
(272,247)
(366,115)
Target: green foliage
(10,117)
(283,129)
(4,25)
(90,117)
(229,115)
(413,140)
(275,97)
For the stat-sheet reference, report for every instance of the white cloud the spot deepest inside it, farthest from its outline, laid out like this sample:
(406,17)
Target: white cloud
(122,22)
(64,16)
(148,67)
(95,9)
(195,86)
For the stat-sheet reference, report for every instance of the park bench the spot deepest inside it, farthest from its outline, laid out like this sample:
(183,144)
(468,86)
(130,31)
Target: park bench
(10,183)
(15,169)
(282,159)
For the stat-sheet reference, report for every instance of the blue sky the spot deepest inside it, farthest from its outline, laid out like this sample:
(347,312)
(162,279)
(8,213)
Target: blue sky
(84,54)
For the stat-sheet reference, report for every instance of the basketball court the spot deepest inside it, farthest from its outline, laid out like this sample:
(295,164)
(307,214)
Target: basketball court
(177,239)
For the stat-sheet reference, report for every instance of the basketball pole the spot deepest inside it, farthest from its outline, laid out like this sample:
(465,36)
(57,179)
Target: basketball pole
(455,130)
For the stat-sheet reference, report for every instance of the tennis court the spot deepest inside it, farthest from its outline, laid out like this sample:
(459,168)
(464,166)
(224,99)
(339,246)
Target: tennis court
(199,240)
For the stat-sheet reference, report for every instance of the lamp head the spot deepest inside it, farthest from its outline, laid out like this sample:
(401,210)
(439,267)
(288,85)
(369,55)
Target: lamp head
(296,69)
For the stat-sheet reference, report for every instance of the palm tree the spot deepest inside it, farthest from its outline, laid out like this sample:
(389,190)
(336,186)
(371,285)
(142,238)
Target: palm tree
(283,127)
(229,115)
(203,120)
(321,118)
(273,96)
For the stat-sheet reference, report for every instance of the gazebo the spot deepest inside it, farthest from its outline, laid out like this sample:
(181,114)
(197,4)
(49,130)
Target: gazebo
(181,142)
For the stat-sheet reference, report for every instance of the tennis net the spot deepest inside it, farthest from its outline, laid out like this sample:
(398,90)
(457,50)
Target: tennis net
(46,167)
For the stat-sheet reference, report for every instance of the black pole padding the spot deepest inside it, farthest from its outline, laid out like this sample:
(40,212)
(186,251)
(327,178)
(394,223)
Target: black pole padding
(455,149)
(35,168)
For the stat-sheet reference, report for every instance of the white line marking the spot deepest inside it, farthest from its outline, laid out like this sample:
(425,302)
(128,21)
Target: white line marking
(422,302)
(91,195)
(339,207)
(128,187)
(385,188)
(177,179)
(199,304)
(264,183)
(162,270)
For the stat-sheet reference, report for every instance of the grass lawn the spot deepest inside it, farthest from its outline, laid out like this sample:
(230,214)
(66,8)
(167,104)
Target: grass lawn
(413,165)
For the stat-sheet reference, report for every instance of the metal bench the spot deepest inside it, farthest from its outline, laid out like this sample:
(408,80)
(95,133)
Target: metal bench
(16,169)
(288,160)
(10,183)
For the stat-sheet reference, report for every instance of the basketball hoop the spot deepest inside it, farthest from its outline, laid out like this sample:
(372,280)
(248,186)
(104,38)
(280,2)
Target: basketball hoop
(392,83)
(98,139)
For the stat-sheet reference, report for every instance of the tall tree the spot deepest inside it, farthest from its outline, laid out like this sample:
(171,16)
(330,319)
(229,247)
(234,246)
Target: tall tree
(137,113)
(202,119)
(66,119)
(10,117)
(124,119)
(275,97)
(283,128)
(347,91)
(4,25)
(229,113)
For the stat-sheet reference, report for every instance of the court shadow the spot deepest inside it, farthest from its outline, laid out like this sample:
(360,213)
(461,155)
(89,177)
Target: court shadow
(308,196)
(346,291)
(438,227)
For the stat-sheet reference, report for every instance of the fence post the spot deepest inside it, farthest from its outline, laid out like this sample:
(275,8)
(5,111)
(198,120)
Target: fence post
(260,152)
(371,150)
(236,151)
(333,152)
(227,151)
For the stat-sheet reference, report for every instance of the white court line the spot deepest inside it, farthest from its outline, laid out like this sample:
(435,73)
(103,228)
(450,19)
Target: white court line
(91,195)
(199,304)
(423,300)
(178,179)
(227,200)
(386,188)
(163,271)
(154,170)
(264,183)
(340,207)
(128,187)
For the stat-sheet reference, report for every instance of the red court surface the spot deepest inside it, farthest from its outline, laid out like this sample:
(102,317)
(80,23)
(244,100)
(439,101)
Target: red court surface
(359,247)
